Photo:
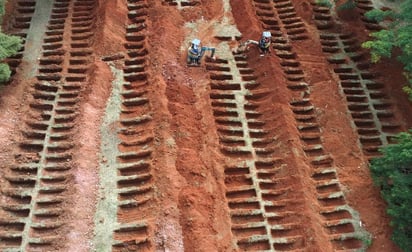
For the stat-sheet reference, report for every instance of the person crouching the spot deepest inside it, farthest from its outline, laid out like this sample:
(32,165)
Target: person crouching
(194,53)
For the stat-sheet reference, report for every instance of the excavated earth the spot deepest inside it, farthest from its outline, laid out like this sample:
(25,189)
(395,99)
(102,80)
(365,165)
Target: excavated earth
(110,142)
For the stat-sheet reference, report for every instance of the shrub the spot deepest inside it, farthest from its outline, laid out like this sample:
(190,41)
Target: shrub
(398,34)
(393,173)
(9,45)
(325,3)
(349,4)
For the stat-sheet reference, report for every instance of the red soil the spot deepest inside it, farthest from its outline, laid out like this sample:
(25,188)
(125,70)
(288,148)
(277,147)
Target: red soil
(187,163)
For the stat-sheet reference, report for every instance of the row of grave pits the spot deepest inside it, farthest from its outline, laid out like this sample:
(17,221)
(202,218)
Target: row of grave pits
(351,84)
(258,186)
(324,174)
(351,65)
(182,3)
(134,180)
(38,183)
(288,19)
(134,166)
(292,23)
(370,107)
(323,18)
(340,230)
(364,6)
(52,63)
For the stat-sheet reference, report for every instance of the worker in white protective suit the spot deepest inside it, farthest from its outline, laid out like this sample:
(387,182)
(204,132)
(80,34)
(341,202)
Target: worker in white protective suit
(264,43)
(195,52)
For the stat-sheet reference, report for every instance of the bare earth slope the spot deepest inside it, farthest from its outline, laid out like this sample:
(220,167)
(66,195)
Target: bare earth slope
(109,142)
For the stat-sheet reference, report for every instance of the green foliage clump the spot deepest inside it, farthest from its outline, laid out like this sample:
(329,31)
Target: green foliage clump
(408,88)
(382,45)
(4,72)
(393,173)
(9,45)
(2,9)
(324,3)
(349,4)
(398,34)
(378,15)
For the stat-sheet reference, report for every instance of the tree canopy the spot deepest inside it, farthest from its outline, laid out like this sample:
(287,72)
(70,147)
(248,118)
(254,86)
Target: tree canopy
(393,173)
(398,34)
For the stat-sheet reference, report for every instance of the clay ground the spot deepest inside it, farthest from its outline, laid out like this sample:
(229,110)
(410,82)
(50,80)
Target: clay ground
(110,142)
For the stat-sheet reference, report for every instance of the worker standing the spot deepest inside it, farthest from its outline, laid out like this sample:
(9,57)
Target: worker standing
(194,53)
(264,43)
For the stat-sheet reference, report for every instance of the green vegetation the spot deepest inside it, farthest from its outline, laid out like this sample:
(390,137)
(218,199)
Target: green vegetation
(382,45)
(2,4)
(349,4)
(325,3)
(393,173)
(9,45)
(398,34)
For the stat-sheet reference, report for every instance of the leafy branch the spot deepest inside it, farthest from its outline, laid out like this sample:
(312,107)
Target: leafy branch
(397,35)
(393,174)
